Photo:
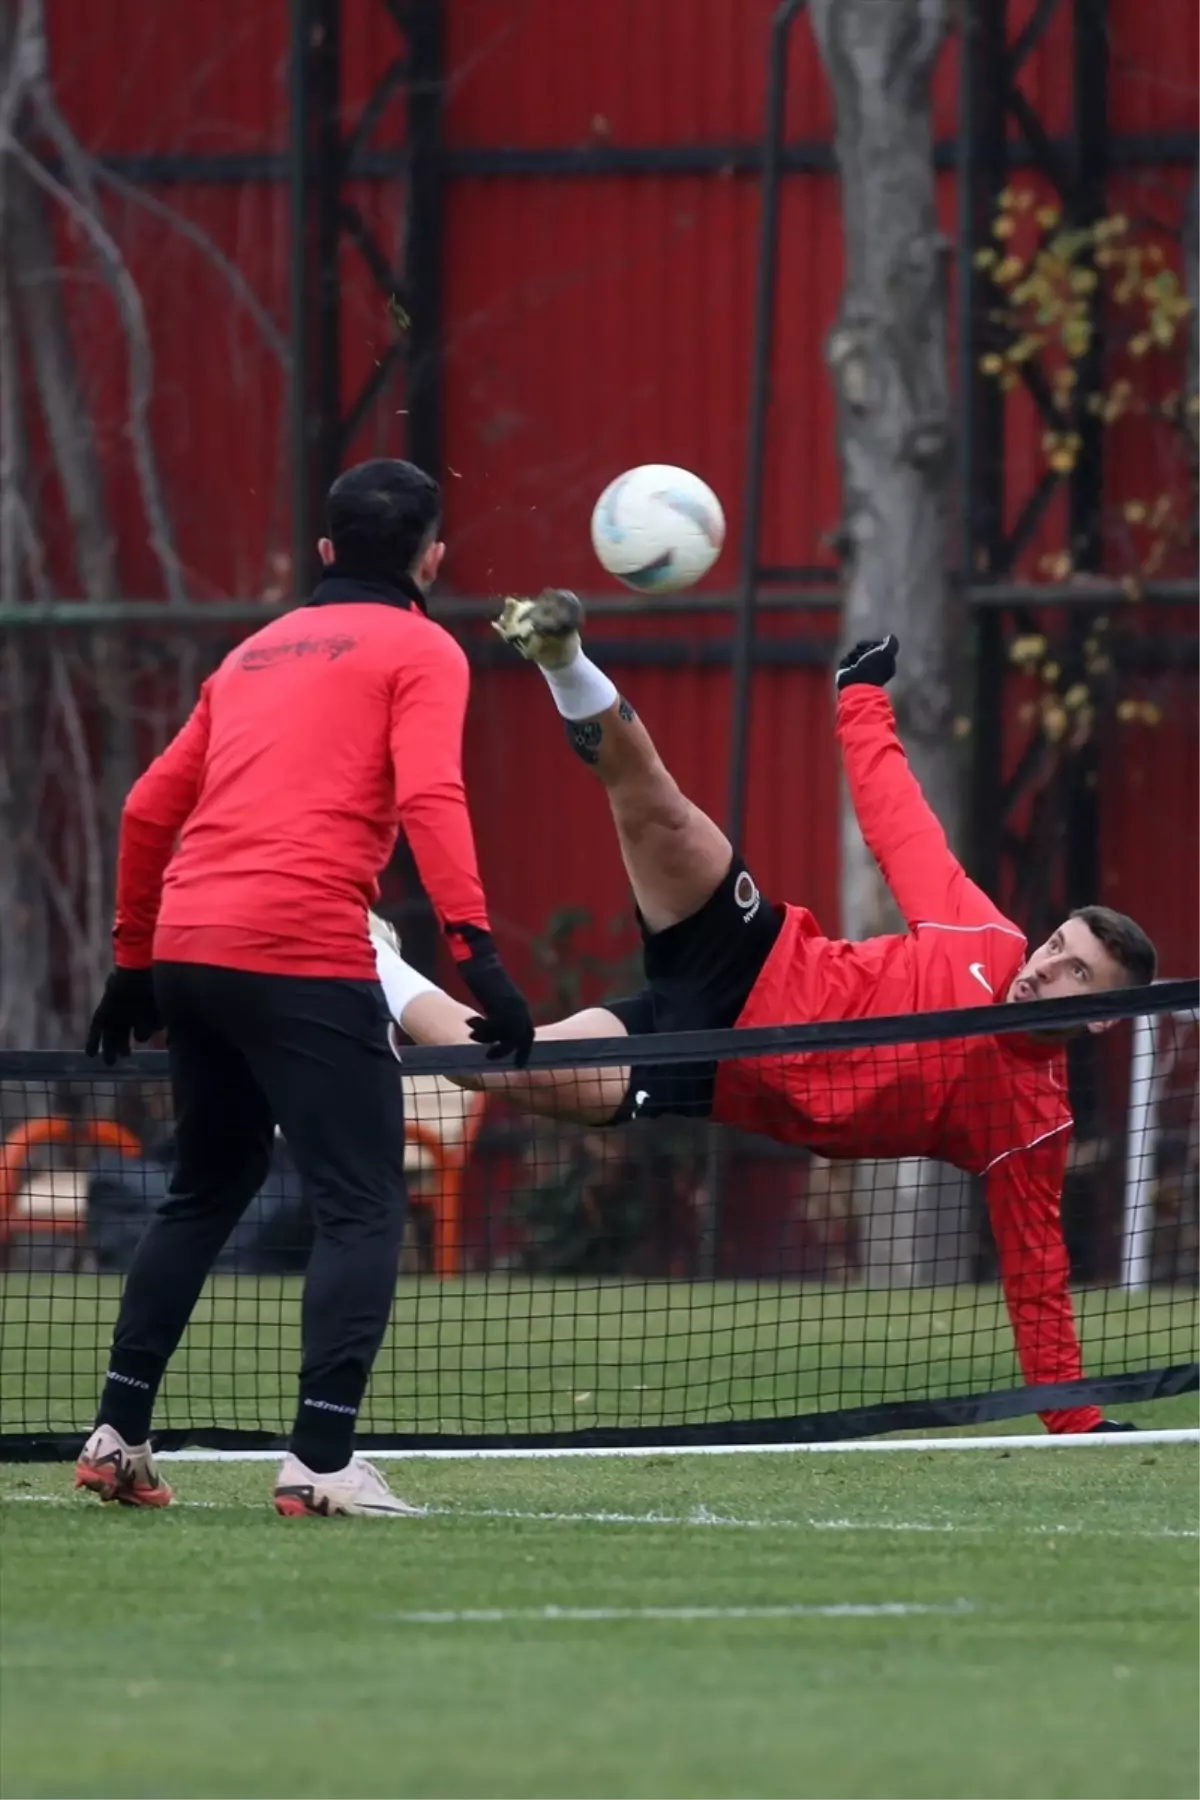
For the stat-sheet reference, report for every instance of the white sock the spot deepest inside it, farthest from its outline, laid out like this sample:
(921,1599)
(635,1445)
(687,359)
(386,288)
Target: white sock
(581,690)
(400,981)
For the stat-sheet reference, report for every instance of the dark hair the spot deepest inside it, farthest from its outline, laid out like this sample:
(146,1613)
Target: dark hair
(381,515)
(1124,940)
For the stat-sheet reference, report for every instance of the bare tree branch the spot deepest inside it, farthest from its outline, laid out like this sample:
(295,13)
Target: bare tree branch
(239,287)
(79,200)
(129,303)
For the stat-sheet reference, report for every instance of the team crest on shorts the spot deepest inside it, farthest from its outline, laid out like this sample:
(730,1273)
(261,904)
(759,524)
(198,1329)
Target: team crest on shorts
(746,895)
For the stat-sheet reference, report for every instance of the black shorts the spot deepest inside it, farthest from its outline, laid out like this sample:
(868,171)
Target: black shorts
(699,975)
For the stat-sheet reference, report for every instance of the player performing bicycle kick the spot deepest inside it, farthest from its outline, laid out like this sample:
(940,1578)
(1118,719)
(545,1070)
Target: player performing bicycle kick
(718,953)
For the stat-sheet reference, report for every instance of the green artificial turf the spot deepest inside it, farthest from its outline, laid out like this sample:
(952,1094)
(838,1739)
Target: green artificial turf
(214,1649)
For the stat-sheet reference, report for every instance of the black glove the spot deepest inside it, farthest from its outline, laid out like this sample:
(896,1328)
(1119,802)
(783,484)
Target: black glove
(127,1005)
(871,662)
(1113,1425)
(507,1023)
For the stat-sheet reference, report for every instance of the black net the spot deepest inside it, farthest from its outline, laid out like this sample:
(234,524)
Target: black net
(666,1279)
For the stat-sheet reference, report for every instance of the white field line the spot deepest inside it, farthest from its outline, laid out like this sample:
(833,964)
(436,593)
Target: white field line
(844,1609)
(1130,1440)
(699,1517)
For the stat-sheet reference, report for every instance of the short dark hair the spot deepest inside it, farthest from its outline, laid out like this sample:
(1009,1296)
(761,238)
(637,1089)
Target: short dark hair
(381,515)
(1124,940)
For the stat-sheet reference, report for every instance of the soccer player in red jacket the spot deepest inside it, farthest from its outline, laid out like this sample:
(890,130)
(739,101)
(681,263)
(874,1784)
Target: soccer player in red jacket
(718,954)
(247,864)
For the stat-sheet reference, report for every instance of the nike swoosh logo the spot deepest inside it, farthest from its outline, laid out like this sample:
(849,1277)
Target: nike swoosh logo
(976,969)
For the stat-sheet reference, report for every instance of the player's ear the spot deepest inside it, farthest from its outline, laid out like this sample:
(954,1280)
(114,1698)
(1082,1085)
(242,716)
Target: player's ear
(325,550)
(430,563)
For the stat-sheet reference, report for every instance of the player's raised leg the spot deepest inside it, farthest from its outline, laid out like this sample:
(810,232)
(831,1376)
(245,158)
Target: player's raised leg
(674,854)
(428,1015)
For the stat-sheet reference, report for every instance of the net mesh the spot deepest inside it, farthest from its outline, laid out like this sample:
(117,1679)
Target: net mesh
(663,1279)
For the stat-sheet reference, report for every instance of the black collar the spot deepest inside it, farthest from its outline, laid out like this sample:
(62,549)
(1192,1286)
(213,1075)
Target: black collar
(340,586)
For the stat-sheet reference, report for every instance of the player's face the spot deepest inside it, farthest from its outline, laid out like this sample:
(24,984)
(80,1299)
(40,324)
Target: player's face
(1071,962)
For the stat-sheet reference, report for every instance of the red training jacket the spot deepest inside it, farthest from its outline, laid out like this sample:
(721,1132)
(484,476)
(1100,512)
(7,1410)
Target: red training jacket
(307,749)
(991,1106)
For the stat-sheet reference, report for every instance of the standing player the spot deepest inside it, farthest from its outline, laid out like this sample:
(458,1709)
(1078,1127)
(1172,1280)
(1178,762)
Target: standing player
(718,954)
(311,744)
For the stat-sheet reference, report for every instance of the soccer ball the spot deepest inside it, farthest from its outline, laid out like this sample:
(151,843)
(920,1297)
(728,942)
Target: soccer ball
(657,528)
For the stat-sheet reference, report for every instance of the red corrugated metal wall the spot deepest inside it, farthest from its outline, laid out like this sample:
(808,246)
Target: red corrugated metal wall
(589,323)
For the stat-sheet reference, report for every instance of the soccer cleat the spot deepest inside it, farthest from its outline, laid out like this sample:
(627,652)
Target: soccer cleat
(114,1470)
(545,630)
(357,1491)
(1114,1425)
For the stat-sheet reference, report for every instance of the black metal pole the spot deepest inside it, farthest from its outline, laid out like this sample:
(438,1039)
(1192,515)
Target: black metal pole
(325,52)
(299,177)
(316,176)
(756,424)
(423,257)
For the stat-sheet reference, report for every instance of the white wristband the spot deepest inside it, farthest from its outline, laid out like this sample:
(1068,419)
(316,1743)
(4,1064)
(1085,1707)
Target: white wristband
(400,982)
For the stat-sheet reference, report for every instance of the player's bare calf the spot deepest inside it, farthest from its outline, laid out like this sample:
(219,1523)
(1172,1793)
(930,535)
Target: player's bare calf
(674,854)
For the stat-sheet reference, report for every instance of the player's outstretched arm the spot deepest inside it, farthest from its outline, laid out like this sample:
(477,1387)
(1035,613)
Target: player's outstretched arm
(1024,1198)
(428,1015)
(901,829)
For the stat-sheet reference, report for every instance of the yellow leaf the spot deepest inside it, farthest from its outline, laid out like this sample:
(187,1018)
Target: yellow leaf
(985,258)
(1134,511)
(1062,461)
(1008,270)
(1075,696)
(1050,673)
(1127,710)
(1054,723)
(1076,337)
(1047,217)
(1083,281)
(1139,345)
(1004,228)
(991,364)
(1151,714)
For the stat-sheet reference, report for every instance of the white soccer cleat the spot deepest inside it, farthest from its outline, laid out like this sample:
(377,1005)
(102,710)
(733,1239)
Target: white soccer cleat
(114,1470)
(358,1491)
(545,630)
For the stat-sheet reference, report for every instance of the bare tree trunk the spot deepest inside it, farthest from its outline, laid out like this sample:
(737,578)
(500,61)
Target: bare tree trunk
(887,356)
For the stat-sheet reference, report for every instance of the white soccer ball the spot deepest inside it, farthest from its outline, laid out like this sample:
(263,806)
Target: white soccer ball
(658,528)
